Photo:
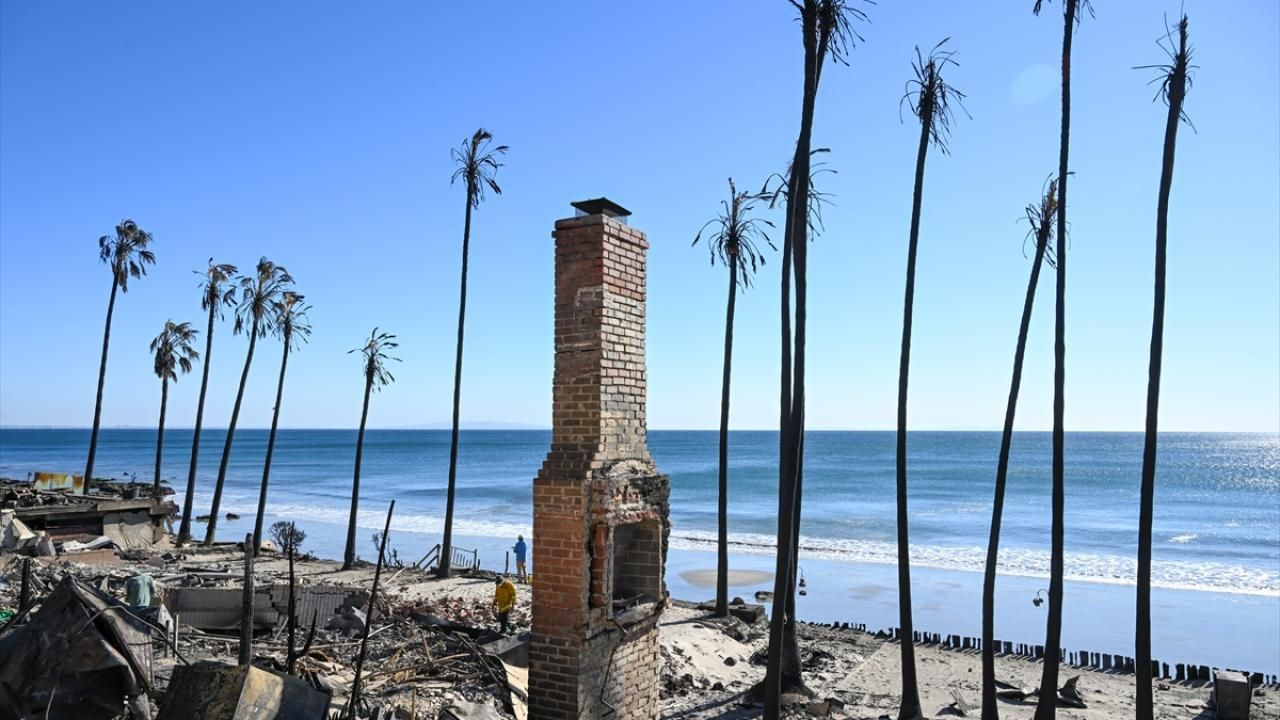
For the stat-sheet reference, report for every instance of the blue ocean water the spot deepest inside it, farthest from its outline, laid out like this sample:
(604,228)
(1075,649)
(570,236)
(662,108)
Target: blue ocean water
(1217,518)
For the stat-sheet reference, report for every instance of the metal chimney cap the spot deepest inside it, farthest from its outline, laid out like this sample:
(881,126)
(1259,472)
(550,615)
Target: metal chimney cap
(601,206)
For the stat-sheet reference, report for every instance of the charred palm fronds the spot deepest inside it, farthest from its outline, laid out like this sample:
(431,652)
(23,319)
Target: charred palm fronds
(214,296)
(293,328)
(931,99)
(477,165)
(1040,218)
(127,255)
(734,241)
(827,32)
(376,354)
(1174,79)
(258,295)
(173,352)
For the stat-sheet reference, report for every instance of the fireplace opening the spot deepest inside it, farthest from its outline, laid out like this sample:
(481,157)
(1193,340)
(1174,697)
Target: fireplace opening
(637,564)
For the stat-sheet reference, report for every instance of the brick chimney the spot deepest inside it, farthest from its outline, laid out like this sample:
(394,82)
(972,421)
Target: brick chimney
(600,508)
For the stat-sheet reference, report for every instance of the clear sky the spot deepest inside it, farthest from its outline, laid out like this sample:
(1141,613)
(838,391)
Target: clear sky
(318,135)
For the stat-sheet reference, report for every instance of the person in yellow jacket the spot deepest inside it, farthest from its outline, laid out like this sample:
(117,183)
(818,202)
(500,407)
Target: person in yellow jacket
(504,598)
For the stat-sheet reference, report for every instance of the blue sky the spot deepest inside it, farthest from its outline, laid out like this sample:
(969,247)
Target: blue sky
(318,135)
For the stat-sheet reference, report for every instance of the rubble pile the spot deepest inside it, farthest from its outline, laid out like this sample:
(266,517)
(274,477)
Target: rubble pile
(25,493)
(58,514)
(456,610)
(423,656)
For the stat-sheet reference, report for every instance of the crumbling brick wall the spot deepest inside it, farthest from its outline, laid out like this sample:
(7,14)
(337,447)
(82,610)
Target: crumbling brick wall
(591,649)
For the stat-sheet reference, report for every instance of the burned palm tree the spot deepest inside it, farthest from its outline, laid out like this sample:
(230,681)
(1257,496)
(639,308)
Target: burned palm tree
(259,294)
(1040,218)
(376,376)
(1174,79)
(734,243)
(127,255)
(826,32)
(215,294)
(930,99)
(173,352)
(293,329)
(776,188)
(1046,708)
(477,164)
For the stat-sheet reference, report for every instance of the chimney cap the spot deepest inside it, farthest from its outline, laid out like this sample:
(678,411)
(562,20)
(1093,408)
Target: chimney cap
(601,206)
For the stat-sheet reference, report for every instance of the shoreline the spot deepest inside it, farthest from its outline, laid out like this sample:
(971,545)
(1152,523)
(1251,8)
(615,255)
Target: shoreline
(1098,616)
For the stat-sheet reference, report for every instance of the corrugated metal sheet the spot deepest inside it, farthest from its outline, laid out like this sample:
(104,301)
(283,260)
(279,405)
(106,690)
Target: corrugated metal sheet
(50,482)
(219,608)
(320,601)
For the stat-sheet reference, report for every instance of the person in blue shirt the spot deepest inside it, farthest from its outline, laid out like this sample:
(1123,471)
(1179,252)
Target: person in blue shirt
(521,551)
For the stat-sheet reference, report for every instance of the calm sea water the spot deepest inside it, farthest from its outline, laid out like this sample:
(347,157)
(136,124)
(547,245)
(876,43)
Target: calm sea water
(1217,521)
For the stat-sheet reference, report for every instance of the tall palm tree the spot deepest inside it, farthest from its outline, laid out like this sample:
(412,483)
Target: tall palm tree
(813,226)
(930,98)
(1046,707)
(734,243)
(1040,218)
(127,255)
(826,30)
(214,296)
(173,351)
(259,294)
(1174,81)
(292,327)
(477,164)
(376,376)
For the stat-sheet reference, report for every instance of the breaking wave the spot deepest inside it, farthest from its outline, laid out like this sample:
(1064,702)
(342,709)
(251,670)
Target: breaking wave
(1173,574)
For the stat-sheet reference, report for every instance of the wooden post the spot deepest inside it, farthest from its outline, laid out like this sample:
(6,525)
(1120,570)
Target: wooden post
(291,657)
(306,646)
(24,594)
(246,607)
(353,702)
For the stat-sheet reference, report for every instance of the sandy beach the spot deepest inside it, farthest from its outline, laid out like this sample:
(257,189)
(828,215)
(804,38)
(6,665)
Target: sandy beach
(863,674)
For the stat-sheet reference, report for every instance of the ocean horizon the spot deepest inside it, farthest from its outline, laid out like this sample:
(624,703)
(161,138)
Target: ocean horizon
(1217,524)
(1216,554)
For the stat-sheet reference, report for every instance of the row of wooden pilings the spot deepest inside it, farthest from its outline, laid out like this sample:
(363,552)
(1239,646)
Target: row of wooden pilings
(1103,662)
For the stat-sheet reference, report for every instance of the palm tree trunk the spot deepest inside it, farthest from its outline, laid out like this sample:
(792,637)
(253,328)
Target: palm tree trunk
(1142,653)
(102,379)
(184,530)
(164,401)
(791,668)
(791,392)
(990,710)
(786,495)
(722,564)
(1046,708)
(271,445)
(349,556)
(906,628)
(231,436)
(446,544)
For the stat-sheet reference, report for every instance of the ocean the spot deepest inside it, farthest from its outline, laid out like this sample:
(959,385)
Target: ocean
(1217,512)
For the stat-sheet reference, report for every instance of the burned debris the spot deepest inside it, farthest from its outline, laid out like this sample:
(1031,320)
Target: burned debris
(174,649)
